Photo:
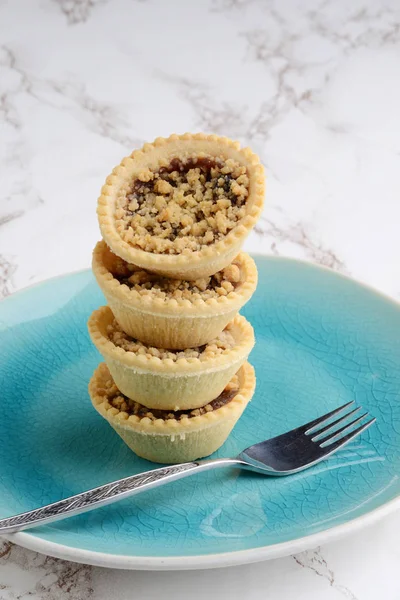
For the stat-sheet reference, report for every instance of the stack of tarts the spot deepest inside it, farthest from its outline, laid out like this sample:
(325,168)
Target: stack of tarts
(173,217)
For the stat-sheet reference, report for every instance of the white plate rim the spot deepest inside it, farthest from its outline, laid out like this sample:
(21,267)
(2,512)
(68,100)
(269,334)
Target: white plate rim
(224,559)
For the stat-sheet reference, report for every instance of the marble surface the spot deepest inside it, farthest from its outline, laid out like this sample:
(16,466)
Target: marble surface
(312,86)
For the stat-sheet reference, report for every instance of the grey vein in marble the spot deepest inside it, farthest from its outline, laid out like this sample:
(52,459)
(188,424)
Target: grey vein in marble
(222,117)
(78,11)
(228,5)
(298,235)
(7,111)
(314,560)
(7,270)
(101,117)
(17,194)
(18,84)
(8,217)
(49,578)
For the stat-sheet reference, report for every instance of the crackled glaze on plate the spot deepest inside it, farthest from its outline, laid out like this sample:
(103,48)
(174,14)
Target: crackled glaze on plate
(322,340)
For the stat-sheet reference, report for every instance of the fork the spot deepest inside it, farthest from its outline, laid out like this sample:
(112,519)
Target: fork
(285,454)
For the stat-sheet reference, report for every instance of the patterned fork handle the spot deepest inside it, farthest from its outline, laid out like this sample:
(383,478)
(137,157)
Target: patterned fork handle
(106,494)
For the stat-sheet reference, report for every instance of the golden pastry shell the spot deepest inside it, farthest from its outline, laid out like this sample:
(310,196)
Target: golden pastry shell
(209,259)
(172,323)
(166,384)
(172,441)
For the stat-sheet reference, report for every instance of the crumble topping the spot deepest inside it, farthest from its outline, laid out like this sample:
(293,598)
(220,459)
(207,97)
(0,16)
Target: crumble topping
(220,345)
(150,284)
(184,207)
(119,401)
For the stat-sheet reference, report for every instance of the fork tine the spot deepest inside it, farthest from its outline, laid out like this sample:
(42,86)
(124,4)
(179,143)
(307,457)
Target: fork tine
(321,420)
(347,438)
(334,434)
(316,434)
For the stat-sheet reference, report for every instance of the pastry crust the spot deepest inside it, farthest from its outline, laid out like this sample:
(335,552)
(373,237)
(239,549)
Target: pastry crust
(209,259)
(172,441)
(172,323)
(166,384)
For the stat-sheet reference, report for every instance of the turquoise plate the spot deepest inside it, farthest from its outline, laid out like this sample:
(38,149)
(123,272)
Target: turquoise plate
(322,340)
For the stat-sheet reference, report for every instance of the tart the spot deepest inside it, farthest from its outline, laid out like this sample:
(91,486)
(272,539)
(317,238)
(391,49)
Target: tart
(166,379)
(183,206)
(175,314)
(165,437)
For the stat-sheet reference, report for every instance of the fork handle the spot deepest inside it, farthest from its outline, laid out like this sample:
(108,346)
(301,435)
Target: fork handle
(107,494)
